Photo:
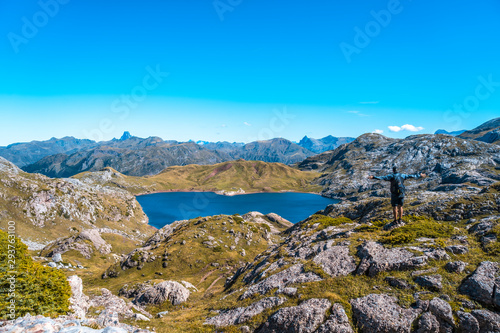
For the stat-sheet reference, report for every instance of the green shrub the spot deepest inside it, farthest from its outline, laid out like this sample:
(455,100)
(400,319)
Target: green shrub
(367,228)
(39,290)
(265,227)
(326,221)
(217,248)
(421,228)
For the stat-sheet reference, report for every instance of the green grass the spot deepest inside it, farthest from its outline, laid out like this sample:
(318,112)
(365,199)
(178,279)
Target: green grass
(325,221)
(419,227)
(251,176)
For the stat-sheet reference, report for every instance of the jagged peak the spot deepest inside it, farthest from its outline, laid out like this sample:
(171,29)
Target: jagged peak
(126,135)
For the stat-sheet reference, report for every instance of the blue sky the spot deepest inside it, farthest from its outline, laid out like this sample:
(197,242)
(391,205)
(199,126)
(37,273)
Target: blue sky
(244,70)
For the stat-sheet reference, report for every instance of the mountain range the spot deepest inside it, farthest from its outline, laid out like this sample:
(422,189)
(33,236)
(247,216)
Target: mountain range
(136,156)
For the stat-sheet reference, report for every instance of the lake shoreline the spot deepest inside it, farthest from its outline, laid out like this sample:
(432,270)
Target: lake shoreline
(167,206)
(227,195)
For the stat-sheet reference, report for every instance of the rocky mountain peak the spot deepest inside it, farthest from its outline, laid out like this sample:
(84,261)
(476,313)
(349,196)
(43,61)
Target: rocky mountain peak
(126,135)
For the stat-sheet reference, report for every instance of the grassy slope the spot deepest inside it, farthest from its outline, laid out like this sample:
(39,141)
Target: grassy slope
(251,176)
(16,193)
(190,262)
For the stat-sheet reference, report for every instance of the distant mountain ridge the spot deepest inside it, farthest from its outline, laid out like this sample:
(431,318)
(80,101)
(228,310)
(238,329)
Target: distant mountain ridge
(454,133)
(136,156)
(321,145)
(488,132)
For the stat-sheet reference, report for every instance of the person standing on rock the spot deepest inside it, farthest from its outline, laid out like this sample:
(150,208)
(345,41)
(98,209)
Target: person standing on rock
(398,190)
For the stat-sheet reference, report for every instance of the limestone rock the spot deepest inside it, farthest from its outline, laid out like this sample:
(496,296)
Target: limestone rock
(467,323)
(457,249)
(381,313)
(79,301)
(488,321)
(294,274)
(375,258)
(336,261)
(338,322)
(241,315)
(304,318)
(428,323)
(455,266)
(484,284)
(162,292)
(431,282)
(398,283)
(57,258)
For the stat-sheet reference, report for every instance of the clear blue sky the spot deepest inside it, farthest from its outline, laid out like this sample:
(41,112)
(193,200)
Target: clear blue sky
(231,69)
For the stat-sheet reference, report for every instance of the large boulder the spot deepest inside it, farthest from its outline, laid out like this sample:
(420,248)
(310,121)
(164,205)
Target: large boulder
(375,258)
(294,274)
(489,321)
(484,284)
(78,300)
(336,261)
(241,315)
(162,292)
(381,313)
(304,318)
(467,323)
(338,322)
(428,323)
(431,282)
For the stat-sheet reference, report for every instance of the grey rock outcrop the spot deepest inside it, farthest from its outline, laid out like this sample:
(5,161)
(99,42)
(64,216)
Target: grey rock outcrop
(381,313)
(467,323)
(431,282)
(428,323)
(484,284)
(336,261)
(375,258)
(80,243)
(457,249)
(304,318)
(78,300)
(294,274)
(488,321)
(455,266)
(162,292)
(337,322)
(443,313)
(241,315)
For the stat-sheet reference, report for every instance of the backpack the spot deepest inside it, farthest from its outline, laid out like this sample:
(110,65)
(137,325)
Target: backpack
(397,186)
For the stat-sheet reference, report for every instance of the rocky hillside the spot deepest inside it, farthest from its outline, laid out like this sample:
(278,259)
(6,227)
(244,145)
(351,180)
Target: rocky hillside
(450,162)
(141,160)
(324,144)
(454,133)
(26,153)
(229,177)
(488,132)
(135,156)
(45,209)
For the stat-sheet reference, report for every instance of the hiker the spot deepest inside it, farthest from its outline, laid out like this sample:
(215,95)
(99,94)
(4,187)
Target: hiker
(398,190)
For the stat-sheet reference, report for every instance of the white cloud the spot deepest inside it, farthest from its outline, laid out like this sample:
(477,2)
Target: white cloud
(377,131)
(353,111)
(411,128)
(406,127)
(394,128)
(247,124)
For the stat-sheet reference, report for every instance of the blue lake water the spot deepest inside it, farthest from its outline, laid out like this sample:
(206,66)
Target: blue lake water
(165,208)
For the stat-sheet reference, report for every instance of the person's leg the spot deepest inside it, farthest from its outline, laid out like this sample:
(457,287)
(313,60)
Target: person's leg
(395,212)
(400,208)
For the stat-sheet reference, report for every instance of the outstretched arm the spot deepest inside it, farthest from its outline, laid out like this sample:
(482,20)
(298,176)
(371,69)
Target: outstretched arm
(388,177)
(416,176)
